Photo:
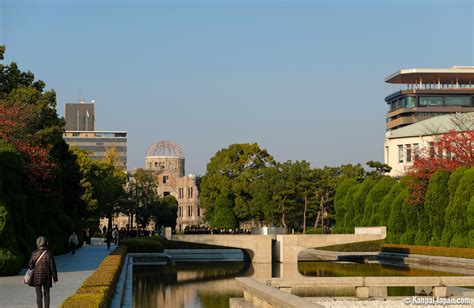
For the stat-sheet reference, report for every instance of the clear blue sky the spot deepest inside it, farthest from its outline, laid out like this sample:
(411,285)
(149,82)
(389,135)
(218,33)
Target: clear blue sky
(303,79)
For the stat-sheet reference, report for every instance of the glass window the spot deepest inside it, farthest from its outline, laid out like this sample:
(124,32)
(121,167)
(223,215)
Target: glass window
(400,153)
(432,150)
(431,101)
(408,151)
(190,192)
(393,105)
(411,102)
(458,101)
(416,150)
(165,179)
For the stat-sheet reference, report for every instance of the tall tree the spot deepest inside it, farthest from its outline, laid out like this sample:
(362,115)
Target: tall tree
(230,173)
(142,194)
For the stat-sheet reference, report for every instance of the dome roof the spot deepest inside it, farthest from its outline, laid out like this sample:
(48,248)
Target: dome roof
(165,148)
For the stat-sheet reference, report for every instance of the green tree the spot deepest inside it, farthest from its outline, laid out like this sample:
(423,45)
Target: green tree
(350,208)
(359,201)
(339,203)
(458,222)
(396,221)
(46,176)
(165,212)
(373,202)
(223,214)
(380,168)
(385,205)
(436,202)
(142,194)
(284,194)
(451,216)
(230,173)
(470,220)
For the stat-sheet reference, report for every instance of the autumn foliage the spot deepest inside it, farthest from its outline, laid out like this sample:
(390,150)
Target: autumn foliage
(13,122)
(447,152)
(450,151)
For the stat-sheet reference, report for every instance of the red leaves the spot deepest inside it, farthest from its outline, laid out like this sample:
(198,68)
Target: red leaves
(447,152)
(38,166)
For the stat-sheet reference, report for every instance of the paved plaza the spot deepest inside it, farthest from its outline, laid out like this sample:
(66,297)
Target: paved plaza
(72,271)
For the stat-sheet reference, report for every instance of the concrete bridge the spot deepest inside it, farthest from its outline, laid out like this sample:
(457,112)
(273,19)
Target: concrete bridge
(282,248)
(277,292)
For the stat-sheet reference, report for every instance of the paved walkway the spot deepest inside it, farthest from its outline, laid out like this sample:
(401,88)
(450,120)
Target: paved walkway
(72,271)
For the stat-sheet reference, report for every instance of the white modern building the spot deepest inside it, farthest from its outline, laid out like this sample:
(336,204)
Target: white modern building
(404,144)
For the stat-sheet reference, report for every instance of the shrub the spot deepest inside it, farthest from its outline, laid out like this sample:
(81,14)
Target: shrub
(372,211)
(396,221)
(98,289)
(408,237)
(458,222)
(436,202)
(450,214)
(339,197)
(143,244)
(223,216)
(359,201)
(430,250)
(311,230)
(350,209)
(386,202)
(361,246)
(11,261)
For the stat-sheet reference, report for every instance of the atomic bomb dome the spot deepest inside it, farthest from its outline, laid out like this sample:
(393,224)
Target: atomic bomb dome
(165,156)
(165,148)
(165,159)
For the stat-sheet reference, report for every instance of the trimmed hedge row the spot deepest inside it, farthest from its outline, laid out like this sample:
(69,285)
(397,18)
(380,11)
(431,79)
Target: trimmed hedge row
(143,244)
(98,290)
(430,251)
(356,247)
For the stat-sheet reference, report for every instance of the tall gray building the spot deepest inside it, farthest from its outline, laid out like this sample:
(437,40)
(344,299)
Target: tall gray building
(80,133)
(80,116)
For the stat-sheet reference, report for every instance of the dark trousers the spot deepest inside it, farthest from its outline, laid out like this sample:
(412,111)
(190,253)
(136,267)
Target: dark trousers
(73,247)
(39,297)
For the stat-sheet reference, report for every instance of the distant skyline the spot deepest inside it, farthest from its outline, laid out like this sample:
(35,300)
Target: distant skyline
(303,79)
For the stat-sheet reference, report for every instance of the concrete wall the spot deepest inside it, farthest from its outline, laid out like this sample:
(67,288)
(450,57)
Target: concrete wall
(291,244)
(259,247)
(288,246)
(391,156)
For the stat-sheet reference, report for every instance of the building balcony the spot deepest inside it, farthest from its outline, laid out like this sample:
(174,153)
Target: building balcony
(434,91)
(429,109)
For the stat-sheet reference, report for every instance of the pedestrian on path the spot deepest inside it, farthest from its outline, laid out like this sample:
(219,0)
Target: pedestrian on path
(115,235)
(108,238)
(73,242)
(44,271)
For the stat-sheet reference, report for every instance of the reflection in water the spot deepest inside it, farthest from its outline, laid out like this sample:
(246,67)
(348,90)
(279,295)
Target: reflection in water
(183,285)
(349,269)
(211,284)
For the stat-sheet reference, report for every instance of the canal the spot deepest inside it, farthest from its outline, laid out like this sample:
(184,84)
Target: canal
(211,284)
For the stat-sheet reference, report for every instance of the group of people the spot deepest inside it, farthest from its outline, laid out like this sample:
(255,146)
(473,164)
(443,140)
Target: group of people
(207,230)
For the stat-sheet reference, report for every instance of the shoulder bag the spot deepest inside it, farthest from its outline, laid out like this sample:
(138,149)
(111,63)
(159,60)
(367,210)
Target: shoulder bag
(29,272)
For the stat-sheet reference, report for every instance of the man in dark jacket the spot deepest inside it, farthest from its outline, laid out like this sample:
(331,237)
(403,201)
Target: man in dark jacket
(44,271)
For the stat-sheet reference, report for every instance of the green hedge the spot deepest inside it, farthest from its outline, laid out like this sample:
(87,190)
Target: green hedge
(142,244)
(359,247)
(430,250)
(99,289)
(11,261)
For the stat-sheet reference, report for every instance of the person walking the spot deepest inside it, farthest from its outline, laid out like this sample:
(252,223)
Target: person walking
(108,238)
(42,261)
(73,242)
(115,235)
